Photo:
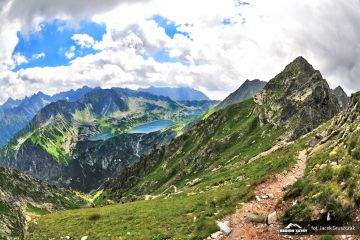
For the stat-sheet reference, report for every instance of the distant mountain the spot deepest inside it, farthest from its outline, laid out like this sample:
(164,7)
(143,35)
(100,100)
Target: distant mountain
(82,143)
(22,197)
(247,90)
(177,94)
(15,114)
(342,97)
(11,103)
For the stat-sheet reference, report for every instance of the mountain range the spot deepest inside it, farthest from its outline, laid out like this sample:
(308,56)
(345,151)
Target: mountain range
(82,143)
(16,114)
(186,180)
(177,94)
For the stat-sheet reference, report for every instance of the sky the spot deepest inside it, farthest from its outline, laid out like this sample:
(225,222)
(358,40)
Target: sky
(210,45)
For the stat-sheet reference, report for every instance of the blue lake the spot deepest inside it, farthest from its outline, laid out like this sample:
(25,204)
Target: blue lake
(102,137)
(151,126)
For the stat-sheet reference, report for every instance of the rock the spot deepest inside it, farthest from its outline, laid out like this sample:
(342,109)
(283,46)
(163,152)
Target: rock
(67,237)
(271,196)
(328,218)
(255,219)
(217,235)
(257,198)
(333,163)
(272,218)
(84,238)
(264,197)
(224,227)
(323,166)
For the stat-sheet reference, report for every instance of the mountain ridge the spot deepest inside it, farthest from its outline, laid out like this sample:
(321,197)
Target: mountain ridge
(178,93)
(247,90)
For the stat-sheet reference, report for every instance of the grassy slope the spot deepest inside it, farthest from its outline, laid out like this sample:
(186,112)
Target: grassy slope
(191,213)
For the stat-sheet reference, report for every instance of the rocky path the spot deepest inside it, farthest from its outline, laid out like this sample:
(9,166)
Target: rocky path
(258,219)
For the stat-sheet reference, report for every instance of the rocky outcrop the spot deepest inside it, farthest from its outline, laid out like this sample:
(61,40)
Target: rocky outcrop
(298,99)
(247,90)
(21,196)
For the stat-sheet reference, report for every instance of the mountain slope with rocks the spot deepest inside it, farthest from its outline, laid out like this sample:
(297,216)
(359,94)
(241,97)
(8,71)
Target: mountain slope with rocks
(298,98)
(246,91)
(23,197)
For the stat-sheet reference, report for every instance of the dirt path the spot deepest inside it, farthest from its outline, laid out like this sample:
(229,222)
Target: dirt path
(268,194)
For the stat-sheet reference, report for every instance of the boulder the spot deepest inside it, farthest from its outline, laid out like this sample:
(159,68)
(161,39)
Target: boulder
(224,227)
(272,218)
(218,235)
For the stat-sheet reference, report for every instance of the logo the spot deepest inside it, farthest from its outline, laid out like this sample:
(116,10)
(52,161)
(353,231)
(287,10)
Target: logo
(293,228)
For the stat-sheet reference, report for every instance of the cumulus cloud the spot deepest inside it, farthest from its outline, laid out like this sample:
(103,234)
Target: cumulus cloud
(83,40)
(257,42)
(70,53)
(19,59)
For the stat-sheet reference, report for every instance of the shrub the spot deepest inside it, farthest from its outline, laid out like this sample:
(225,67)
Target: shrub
(345,173)
(94,217)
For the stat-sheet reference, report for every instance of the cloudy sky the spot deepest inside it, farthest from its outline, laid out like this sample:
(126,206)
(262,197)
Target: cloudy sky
(210,45)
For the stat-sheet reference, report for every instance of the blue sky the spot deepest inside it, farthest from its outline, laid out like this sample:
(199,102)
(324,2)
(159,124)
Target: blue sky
(47,47)
(53,40)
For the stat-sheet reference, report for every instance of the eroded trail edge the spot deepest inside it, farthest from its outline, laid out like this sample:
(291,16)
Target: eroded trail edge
(258,219)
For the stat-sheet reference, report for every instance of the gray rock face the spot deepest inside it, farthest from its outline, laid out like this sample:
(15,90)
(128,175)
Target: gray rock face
(247,90)
(342,97)
(298,99)
(21,194)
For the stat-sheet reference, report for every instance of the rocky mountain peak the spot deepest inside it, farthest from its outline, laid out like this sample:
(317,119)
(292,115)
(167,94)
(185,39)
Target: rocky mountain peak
(247,90)
(300,64)
(299,98)
(341,96)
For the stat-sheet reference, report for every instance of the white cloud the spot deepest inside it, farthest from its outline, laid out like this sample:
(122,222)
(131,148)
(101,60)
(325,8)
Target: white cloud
(19,59)
(261,39)
(38,56)
(83,40)
(70,53)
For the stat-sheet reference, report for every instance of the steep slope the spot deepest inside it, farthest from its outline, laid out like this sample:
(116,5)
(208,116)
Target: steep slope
(246,91)
(16,114)
(82,143)
(177,94)
(22,197)
(330,188)
(341,96)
